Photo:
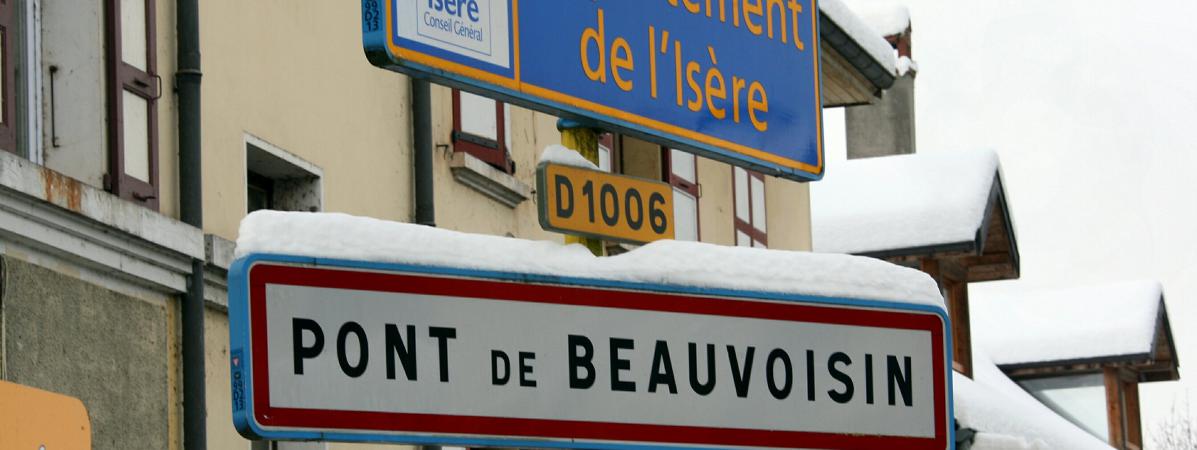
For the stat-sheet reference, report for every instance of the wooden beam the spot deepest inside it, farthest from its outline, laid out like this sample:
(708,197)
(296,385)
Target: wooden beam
(952,270)
(962,348)
(930,266)
(1134,427)
(956,293)
(1115,412)
(1035,372)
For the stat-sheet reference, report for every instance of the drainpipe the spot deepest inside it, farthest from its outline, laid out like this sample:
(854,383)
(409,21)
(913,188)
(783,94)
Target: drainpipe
(421,106)
(187,81)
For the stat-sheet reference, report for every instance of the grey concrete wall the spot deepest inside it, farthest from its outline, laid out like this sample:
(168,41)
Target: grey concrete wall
(885,127)
(111,351)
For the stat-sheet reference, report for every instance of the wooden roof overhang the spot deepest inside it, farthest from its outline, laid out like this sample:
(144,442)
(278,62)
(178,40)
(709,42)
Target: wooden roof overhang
(991,255)
(850,75)
(1158,364)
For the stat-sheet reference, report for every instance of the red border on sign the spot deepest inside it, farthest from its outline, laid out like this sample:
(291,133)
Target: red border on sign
(262,274)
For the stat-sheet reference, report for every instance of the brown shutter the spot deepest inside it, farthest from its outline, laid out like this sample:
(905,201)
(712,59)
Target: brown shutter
(133,86)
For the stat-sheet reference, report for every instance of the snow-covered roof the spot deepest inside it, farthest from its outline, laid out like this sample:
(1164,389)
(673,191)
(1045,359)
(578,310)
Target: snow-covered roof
(902,202)
(859,30)
(906,65)
(884,17)
(689,264)
(1007,417)
(1098,322)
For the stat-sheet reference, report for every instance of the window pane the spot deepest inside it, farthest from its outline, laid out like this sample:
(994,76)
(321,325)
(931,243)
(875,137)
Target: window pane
(758,203)
(1079,398)
(137,136)
(478,116)
(604,155)
(682,164)
(741,194)
(758,244)
(133,33)
(685,216)
(742,239)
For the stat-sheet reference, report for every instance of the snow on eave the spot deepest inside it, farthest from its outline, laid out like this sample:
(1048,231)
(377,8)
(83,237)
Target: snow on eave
(892,204)
(873,43)
(886,18)
(677,263)
(558,154)
(1007,417)
(1101,323)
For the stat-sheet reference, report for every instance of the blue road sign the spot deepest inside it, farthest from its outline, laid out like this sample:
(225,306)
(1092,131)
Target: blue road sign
(734,80)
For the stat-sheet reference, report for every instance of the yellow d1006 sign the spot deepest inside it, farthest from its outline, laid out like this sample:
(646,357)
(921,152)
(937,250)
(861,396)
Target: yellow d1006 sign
(591,203)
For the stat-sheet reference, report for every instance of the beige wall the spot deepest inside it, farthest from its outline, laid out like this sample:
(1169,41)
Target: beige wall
(715,207)
(168,115)
(787,205)
(294,75)
(221,433)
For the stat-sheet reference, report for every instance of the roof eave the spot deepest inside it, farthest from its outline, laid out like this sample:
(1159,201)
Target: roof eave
(972,252)
(877,74)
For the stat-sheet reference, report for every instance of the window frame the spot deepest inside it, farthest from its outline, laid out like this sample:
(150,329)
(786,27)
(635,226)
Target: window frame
(271,168)
(122,78)
(747,227)
(681,184)
(9,33)
(612,142)
(491,151)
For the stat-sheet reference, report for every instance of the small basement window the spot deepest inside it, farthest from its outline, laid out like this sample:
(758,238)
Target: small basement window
(278,180)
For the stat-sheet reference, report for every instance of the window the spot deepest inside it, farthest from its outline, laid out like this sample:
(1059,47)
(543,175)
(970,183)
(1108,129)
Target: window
(750,208)
(479,129)
(683,176)
(278,180)
(133,91)
(9,20)
(607,152)
(1079,398)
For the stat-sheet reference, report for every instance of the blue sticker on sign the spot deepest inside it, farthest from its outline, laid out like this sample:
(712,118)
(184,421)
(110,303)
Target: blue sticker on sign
(238,383)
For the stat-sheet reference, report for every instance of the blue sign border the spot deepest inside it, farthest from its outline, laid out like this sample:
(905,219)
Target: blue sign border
(378,44)
(239,346)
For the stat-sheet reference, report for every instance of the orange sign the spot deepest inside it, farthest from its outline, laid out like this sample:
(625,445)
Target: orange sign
(33,419)
(591,203)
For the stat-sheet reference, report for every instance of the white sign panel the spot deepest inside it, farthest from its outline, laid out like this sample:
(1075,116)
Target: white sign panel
(344,350)
(476,29)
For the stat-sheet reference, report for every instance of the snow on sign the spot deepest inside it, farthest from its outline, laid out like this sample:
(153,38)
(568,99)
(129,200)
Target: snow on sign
(354,351)
(732,80)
